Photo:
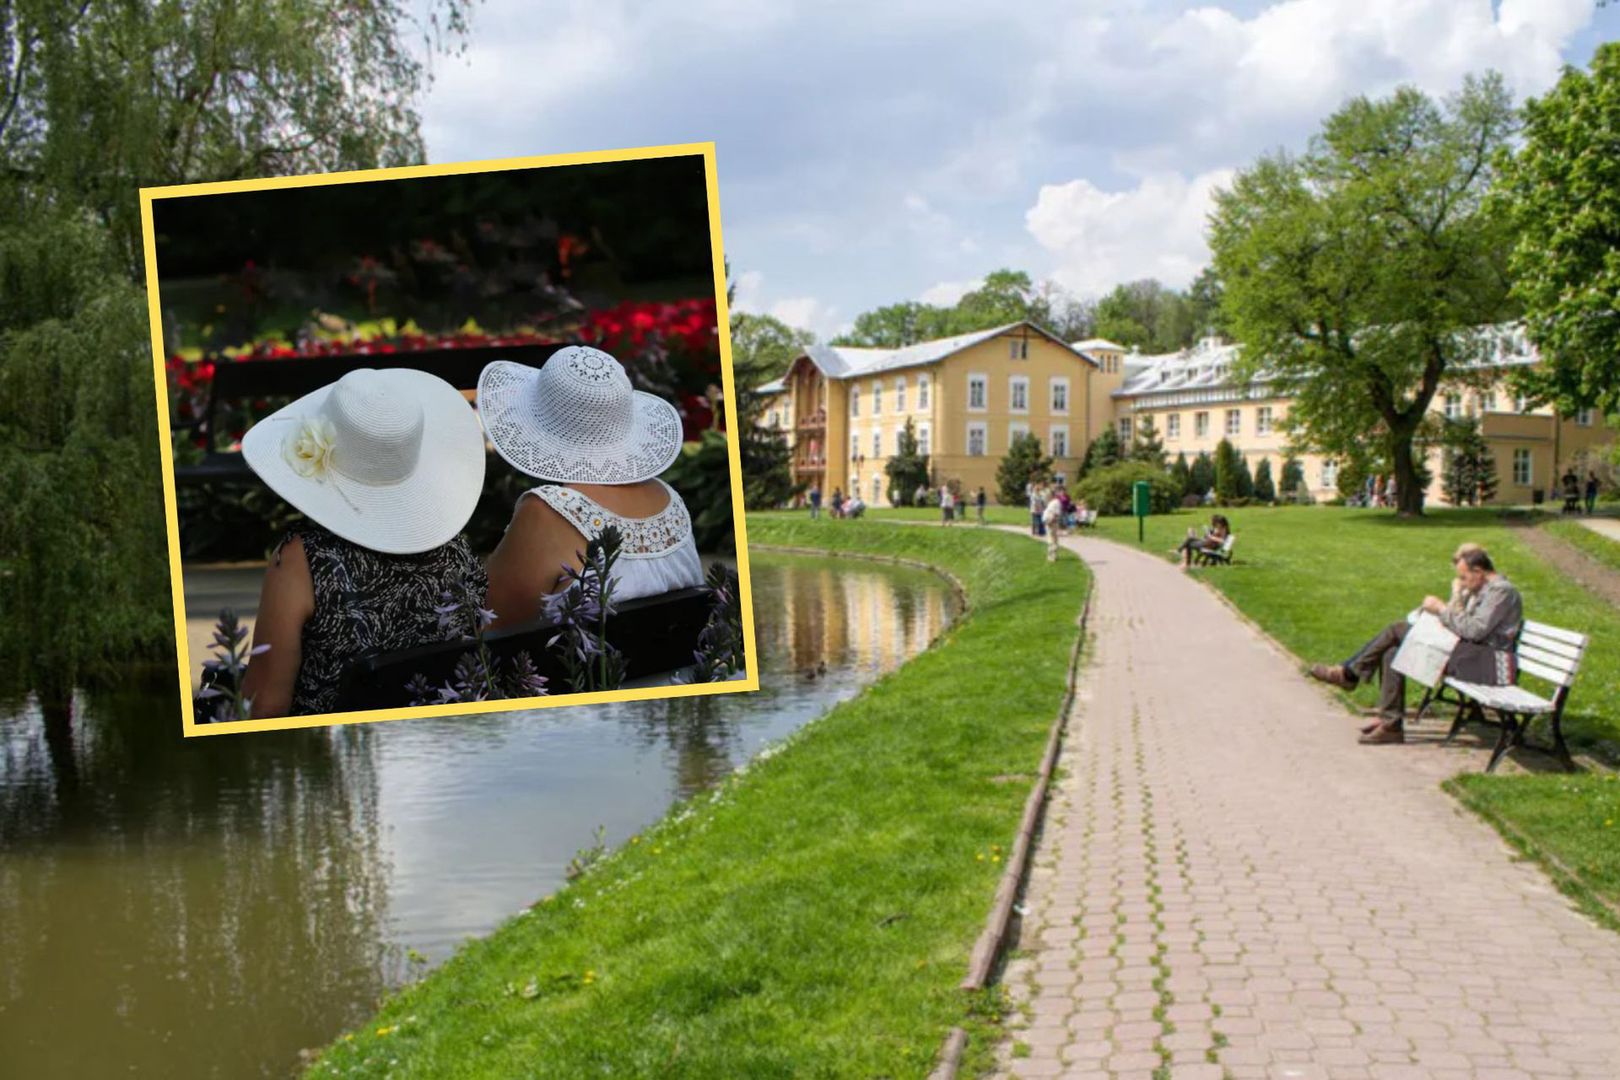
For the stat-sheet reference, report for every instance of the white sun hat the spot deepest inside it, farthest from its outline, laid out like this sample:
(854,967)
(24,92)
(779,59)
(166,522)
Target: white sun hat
(391,459)
(577,419)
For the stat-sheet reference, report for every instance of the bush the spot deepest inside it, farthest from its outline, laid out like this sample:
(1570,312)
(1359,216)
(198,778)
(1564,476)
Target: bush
(1108,490)
(1192,501)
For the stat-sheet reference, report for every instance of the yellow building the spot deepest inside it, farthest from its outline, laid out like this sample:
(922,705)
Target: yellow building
(968,396)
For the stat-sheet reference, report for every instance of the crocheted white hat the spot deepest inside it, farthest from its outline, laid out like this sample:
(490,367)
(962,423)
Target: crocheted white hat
(577,419)
(392,460)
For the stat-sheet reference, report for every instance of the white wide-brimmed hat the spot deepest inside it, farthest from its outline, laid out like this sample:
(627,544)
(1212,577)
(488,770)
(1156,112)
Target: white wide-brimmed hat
(392,460)
(577,419)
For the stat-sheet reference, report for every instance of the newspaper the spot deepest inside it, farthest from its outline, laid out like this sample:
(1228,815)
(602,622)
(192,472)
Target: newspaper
(1425,650)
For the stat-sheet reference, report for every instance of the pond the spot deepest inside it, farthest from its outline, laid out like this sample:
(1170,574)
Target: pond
(212,907)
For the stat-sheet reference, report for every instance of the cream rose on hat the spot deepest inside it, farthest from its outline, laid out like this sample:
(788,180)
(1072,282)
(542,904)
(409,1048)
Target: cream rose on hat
(577,419)
(391,459)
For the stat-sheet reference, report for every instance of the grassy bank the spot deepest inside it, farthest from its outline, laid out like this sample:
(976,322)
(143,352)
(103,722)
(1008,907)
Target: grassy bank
(1597,546)
(1323,579)
(813,916)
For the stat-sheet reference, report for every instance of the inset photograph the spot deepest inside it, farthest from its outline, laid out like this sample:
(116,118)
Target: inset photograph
(448,439)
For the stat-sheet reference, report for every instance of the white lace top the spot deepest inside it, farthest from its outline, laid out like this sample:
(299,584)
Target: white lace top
(659,554)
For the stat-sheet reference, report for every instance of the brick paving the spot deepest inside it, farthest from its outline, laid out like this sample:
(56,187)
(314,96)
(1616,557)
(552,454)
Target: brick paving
(1226,890)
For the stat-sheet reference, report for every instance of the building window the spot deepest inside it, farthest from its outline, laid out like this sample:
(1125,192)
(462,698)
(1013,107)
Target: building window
(1521,404)
(1060,440)
(854,444)
(923,439)
(976,439)
(1016,431)
(1018,349)
(1453,407)
(877,398)
(1201,424)
(977,391)
(1125,431)
(1487,402)
(1060,395)
(877,444)
(1583,417)
(1018,393)
(1521,467)
(1172,426)
(900,395)
(776,420)
(1234,422)
(1330,473)
(1262,420)
(922,391)
(854,401)
(877,489)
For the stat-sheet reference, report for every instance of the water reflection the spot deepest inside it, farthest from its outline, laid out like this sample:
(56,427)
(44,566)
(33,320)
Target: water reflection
(208,907)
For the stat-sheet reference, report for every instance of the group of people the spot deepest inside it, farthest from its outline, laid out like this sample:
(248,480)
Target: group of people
(1575,494)
(1484,611)
(839,506)
(387,467)
(952,506)
(1051,510)
(1379,490)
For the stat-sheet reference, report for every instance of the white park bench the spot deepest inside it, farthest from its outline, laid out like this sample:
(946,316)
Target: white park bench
(1549,653)
(1214,556)
(1085,519)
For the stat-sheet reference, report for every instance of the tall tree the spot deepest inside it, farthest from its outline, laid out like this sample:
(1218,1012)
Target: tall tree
(897,325)
(1562,193)
(1264,488)
(765,345)
(907,469)
(1148,316)
(1228,467)
(1180,474)
(1201,475)
(1367,272)
(1024,464)
(1148,446)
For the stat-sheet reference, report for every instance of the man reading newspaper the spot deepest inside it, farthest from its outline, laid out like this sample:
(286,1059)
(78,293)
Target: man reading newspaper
(1484,614)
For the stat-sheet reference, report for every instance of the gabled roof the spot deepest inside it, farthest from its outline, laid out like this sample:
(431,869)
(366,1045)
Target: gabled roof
(1096,343)
(775,386)
(851,362)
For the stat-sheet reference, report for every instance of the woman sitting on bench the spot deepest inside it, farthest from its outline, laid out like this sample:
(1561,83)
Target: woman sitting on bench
(1214,536)
(387,467)
(578,423)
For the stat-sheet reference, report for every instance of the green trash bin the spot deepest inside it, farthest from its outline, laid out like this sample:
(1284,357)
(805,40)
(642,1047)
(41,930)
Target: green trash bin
(1141,505)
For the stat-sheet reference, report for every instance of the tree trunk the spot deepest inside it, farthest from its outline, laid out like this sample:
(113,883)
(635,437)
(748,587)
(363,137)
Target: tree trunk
(1408,485)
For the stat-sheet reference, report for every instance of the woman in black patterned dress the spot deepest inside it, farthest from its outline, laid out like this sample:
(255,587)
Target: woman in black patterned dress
(387,466)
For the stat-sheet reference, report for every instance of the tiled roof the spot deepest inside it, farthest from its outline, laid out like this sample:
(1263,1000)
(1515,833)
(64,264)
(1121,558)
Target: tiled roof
(849,362)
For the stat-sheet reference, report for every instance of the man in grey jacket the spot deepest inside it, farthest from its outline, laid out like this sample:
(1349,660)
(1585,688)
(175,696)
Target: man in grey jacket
(1486,618)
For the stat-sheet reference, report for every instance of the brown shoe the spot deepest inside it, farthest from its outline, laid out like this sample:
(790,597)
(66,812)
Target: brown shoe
(1384,734)
(1333,675)
(1378,720)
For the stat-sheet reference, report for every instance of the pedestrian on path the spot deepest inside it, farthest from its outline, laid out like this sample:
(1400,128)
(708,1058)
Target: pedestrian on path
(947,504)
(815,501)
(1037,506)
(979,502)
(1052,518)
(1591,493)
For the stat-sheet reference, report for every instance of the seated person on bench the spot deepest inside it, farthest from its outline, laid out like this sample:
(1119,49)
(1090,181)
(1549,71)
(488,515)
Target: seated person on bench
(1214,536)
(1485,611)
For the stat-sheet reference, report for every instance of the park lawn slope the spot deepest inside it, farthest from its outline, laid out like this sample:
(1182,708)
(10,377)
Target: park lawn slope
(813,915)
(1596,545)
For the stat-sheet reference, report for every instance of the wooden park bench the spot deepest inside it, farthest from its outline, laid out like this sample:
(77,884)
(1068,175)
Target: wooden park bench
(1549,653)
(656,634)
(281,379)
(1221,556)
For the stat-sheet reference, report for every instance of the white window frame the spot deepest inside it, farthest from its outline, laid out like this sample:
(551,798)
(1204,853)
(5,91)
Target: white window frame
(1201,424)
(877,443)
(1451,406)
(1523,457)
(854,401)
(1126,430)
(1053,385)
(922,391)
(877,489)
(1172,425)
(1054,432)
(1015,429)
(877,398)
(1487,402)
(982,430)
(1018,348)
(1521,403)
(900,394)
(1583,417)
(925,439)
(1234,422)
(1262,420)
(978,378)
(1330,473)
(1014,384)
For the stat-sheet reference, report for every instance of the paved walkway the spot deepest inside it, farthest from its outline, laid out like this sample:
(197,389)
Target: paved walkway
(1609,527)
(1245,892)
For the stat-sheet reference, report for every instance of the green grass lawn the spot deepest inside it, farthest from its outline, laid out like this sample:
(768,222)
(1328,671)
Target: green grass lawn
(812,916)
(1599,547)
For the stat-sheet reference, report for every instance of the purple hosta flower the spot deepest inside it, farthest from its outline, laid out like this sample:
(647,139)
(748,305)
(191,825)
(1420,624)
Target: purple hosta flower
(421,691)
(224,671)
(526,680)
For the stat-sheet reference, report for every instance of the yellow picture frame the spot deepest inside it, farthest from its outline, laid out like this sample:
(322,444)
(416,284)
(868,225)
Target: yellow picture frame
(170,505)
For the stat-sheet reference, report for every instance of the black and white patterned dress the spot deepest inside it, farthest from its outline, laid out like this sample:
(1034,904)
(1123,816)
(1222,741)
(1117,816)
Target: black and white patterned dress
(366,602)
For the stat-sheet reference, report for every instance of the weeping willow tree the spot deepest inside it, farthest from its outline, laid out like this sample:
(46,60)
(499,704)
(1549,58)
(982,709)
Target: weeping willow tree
(96,101)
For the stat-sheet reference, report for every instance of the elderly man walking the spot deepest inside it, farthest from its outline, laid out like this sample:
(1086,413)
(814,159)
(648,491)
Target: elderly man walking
(1486,615)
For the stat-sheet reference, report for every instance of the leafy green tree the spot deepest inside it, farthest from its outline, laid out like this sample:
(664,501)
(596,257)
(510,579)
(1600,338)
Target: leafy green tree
(897,325)
(1180,474)
(1148,446)
(907,469)
(1369,270)
(1108,490)
(1006,296)
(1293,477)
(1105,450)
(766,345)
(1204,304)
(1264,489)
(1228,466)
(1201,476)
(1023,465)
(1146,315)
(1561,191)
(1467,466)
(1245,478)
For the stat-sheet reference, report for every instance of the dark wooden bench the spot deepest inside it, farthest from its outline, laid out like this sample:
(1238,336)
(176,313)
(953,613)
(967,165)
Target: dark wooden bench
(656,634)
(283,379)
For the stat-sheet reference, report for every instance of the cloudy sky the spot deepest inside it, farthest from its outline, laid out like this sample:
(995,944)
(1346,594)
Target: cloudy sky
(877,151)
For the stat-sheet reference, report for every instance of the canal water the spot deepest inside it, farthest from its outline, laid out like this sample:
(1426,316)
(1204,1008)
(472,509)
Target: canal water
(213,907)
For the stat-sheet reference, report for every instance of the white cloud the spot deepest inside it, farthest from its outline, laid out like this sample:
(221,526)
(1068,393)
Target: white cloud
(808,313)
(748,292)
(947,293)
(1101,238)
